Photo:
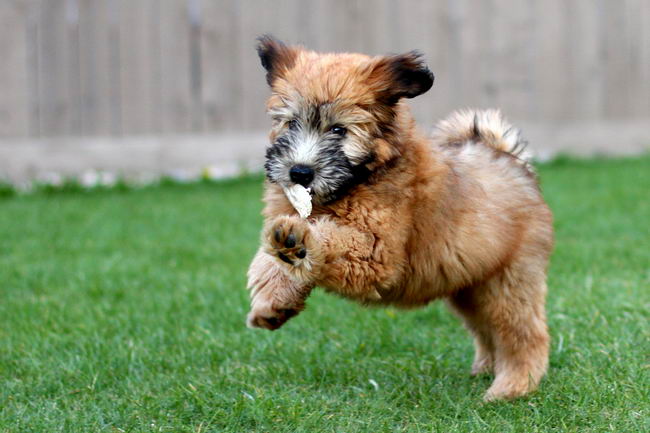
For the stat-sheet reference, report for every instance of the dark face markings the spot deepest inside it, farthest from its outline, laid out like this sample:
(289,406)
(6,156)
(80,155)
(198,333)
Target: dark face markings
(310,139)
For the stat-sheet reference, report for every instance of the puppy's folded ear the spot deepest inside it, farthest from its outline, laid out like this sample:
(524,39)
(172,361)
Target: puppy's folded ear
(275,56)
(400,76)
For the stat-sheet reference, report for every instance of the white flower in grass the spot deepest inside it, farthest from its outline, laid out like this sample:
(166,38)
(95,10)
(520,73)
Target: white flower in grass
(222,171)
(211,172)
(143,179)
(182,175)
(107,178)
(89,179)
(51,178)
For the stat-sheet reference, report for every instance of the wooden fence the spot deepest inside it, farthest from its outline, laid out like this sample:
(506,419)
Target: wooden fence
(79,68)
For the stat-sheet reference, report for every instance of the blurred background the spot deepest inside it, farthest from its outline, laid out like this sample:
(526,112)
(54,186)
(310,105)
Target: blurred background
(150,87)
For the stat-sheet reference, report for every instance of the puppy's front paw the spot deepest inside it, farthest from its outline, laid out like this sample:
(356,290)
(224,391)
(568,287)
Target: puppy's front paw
(275,298)
(270,318)
(291,240)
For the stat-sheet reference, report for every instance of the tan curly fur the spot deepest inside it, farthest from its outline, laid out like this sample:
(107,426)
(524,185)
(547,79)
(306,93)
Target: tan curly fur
(458,216)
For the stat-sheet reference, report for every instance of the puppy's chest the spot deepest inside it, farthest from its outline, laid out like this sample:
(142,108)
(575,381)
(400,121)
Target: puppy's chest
(371,213)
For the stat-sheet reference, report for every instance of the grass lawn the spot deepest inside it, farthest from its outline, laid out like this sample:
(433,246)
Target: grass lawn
(124,311)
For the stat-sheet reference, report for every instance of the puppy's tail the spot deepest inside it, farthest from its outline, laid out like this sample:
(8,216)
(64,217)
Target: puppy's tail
(484,126)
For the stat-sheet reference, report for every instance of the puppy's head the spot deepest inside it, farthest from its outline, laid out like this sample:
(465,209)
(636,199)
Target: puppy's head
(334,114)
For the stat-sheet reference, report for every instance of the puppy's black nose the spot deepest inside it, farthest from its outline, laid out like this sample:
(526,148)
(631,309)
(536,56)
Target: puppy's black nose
(301,174)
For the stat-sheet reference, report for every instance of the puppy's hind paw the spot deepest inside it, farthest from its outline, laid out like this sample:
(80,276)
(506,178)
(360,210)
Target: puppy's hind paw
(482,366)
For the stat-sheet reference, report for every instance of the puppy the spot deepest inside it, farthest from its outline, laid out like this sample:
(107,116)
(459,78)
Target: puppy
(400,218)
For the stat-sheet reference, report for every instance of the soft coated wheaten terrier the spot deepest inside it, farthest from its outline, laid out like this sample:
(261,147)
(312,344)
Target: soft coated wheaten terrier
(400,218)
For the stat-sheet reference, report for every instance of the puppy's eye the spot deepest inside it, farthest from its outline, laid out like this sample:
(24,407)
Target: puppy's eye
(292,124)
(338,130)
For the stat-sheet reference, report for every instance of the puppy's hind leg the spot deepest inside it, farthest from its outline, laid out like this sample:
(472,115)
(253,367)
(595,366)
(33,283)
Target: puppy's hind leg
(463,304)
(513,310)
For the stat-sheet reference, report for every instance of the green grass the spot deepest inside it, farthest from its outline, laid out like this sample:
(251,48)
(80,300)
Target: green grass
(124,311)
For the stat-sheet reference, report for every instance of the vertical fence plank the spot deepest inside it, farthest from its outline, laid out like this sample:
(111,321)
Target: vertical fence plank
(220,65)
(14,107)
(176,96)
(285,23)
(334,21)
(510,86)
(637,49)
(196,74)
(615,59)
(644,63)
(454,66)
(33,68)
(115,67)
(472,27)
(377,18)
(439,53)
(550,89)
(413,23)
(584,69)
(95,67)
(54,96)
(73,72)
(139,64)
(306,32)
(255,18)
(353,30)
